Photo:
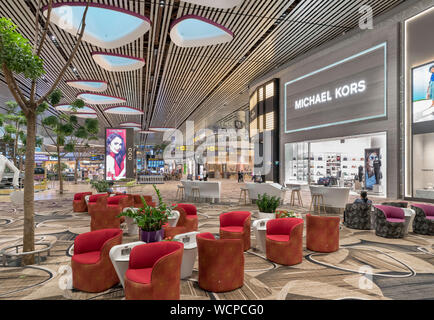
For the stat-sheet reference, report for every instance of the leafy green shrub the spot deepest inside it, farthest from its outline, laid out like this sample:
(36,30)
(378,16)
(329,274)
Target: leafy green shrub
(149,218)
(267,204)
(101,186)
(285,214)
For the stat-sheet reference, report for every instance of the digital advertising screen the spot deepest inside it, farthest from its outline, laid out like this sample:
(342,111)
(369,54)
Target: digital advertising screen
(119,160)
(423,94)
(372,159)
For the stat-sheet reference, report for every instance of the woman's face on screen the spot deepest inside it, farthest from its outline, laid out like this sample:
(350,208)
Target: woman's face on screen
(116,145)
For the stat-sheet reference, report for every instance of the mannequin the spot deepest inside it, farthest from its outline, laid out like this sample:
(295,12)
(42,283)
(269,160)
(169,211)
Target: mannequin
(377,170)
(360,173)
(5,162)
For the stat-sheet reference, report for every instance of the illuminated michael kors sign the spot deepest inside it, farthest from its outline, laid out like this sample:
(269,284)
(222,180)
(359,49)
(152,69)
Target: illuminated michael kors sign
(350,90)
(326,96)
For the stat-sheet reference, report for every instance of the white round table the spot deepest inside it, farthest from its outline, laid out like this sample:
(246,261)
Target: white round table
(409,217)
(120,257)
(190,252)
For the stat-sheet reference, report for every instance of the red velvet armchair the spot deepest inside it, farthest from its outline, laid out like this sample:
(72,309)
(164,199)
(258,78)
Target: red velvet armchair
(79,203)
(236,225)
(221,263)
(92,269)
(187,221)
(97,203)
(138,201)
(322,233)
(154,271)
(107,218)
(284,241)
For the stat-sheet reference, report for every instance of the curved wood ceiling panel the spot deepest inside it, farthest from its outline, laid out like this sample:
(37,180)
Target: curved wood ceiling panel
(203,84)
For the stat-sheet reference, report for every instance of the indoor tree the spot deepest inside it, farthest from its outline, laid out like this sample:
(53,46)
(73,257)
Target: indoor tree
(19,57)
(67,134)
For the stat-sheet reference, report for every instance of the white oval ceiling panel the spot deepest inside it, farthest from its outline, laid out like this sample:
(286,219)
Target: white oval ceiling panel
(106,26)
(117,62)
(88,85)
(92,98)
(123,110)
(70,108)
(195,31)
(222,4)
(86,115)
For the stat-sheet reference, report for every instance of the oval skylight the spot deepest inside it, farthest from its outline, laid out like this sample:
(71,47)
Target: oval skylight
(194,31)
(88,85)
(124,110)
(131,124)
(146,132)
(86,115)
(159,129)
(117,62)
(222,4)
(69,108)
(92,98)
(106,26)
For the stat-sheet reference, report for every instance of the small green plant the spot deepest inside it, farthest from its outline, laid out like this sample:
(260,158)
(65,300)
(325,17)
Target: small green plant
(285,214)
(101,186)
(268,204)
(149,218)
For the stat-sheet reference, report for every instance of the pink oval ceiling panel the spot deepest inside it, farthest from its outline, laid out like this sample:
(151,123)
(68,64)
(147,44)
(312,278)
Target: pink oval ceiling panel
(88,85)
(117,62)
(222,4)
(106,26)
(93,98)
(194,31)
(124,110)
(70,108)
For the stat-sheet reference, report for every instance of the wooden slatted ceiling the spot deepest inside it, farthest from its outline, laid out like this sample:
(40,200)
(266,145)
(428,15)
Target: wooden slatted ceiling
(176,83)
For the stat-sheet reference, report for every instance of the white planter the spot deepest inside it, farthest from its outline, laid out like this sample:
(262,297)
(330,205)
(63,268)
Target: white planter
(263,215)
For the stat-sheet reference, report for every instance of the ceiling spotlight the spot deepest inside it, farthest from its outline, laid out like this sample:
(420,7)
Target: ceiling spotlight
(162,3)
(53,37)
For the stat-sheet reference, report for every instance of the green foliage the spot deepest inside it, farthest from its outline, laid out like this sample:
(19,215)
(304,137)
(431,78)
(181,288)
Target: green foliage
(149,218)
(63,166)
(17,53)
(101,186)
(78,104)
(55,97)
(268,204)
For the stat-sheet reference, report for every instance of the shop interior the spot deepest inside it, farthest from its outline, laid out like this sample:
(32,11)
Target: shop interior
(423,166)
(340,162)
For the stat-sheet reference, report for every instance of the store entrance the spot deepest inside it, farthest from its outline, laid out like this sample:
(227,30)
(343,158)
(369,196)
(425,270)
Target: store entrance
(357,162)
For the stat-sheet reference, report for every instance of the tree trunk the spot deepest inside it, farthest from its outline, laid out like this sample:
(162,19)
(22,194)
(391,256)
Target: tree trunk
(59,171)
(76,171)
(29,188)
(16,148)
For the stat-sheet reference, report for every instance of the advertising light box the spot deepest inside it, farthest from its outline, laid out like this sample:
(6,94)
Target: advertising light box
(350,90)
(119,155)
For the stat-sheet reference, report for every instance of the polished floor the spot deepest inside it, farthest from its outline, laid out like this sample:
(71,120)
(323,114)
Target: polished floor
(401,268)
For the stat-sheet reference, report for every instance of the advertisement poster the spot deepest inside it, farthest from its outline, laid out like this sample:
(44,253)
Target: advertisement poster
(372,156)
(116,154)
(423,93)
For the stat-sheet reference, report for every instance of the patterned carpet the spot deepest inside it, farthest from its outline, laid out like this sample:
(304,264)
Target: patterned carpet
(402,269)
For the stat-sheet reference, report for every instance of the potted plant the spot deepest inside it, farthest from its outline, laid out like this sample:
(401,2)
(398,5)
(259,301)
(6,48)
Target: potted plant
(286,214)
(150,220)
(267,206)
(101,186)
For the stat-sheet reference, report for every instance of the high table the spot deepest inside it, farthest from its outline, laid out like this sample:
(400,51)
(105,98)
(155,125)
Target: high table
(120,257)
(334,197)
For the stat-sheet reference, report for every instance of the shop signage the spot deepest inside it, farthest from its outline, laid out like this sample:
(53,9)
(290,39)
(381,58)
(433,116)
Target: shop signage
(350,90)
(41,157)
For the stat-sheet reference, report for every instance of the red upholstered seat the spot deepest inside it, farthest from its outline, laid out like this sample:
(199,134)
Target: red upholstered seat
(79,203)
(154,271)
(106,218)
(322,233)
(236,225)
(392,212)
(221,263)
(288,252)
(278,237)
(233,229)
(139,275)
(138,201)
(187,221)
(92,269)
(87,258)
(97,203)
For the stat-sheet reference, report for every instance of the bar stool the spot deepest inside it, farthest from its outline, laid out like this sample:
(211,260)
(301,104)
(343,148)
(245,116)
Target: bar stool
(296,193)
(180,191)
(243,191)
(195,192)
(317,200)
